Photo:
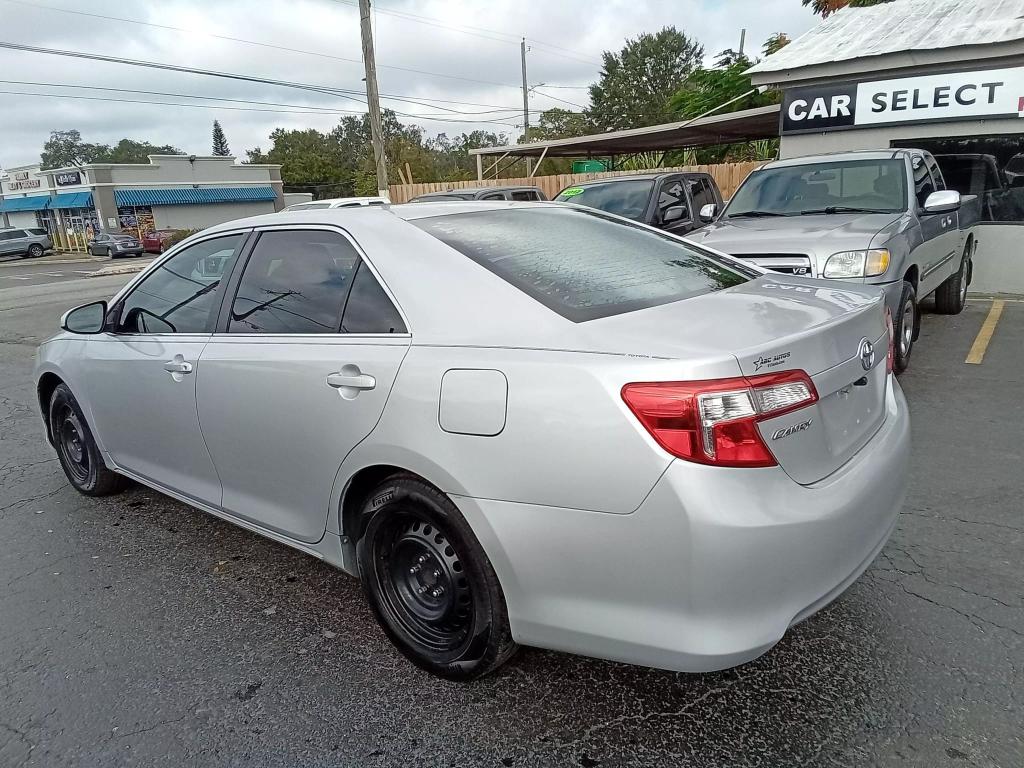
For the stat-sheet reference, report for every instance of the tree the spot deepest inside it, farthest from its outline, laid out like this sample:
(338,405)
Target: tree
(66,148)
(775,43)
(636,83)
(558,123)
(220,143)
(825,8)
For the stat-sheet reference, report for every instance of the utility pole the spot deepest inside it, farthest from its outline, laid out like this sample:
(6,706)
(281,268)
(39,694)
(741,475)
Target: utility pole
(743,39)
(526,106)
(373,98)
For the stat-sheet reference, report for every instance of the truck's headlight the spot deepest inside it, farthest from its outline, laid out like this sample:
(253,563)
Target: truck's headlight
(857,263)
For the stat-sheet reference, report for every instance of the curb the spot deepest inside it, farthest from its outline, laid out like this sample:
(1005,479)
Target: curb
(50,260)
(120,269)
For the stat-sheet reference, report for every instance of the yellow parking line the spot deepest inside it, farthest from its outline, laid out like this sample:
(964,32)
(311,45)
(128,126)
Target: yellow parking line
(977,353)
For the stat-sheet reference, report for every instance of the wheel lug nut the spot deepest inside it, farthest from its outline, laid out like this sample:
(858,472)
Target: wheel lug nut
(437,574)
(415,569)
(438,591)
(422,559)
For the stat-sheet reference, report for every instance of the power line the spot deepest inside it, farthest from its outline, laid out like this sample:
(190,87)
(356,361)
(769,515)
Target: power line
(252,42)
(243,109)
(345,93)
(556,98)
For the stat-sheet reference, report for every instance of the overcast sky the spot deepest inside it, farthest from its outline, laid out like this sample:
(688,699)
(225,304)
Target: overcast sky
(416,40)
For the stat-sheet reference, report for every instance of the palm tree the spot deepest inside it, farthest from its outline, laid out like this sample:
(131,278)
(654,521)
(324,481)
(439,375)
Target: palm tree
(825,7)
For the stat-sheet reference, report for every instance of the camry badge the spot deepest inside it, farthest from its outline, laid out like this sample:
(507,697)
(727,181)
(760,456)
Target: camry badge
(866,353)
(791,430)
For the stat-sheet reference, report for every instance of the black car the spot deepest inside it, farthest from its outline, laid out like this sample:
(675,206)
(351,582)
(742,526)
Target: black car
(115,245)
(670,201)
(483,193)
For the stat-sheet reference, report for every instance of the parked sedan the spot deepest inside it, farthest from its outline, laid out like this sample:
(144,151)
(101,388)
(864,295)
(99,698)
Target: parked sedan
(156,241)
(114,245)
(552,427)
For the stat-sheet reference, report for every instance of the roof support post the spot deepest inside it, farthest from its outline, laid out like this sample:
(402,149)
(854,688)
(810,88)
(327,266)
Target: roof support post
(539,161)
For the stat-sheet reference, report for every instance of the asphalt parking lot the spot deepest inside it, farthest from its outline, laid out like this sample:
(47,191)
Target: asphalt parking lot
(137,631)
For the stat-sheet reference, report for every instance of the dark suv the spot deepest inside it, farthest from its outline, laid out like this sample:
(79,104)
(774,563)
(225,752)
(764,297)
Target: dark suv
(670,201)
(483,193)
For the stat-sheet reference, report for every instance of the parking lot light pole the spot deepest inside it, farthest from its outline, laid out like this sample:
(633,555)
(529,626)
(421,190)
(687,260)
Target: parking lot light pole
(373,98)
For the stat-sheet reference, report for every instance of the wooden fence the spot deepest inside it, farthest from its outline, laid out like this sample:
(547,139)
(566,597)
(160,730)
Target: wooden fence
(727,175)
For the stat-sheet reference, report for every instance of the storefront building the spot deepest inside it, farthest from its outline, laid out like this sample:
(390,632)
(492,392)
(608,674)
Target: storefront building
(946,76)
(168,192)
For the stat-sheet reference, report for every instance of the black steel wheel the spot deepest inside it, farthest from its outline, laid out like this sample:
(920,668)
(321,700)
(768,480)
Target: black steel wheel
(76,449)
(430,583)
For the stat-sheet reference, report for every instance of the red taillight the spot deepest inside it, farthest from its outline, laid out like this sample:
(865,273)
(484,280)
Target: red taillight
(715,421)
(890,357)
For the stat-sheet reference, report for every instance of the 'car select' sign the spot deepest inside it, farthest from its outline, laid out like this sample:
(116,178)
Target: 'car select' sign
(954,96)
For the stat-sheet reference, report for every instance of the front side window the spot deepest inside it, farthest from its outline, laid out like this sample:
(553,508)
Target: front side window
(838,186)
(582,264)
(923,184)
(497,196)
(701,192)
(295,281)
(183,294)
(673,195)
(525,195)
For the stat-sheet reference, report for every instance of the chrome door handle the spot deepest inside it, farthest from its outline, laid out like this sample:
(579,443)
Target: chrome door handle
(177,366)
(353,381)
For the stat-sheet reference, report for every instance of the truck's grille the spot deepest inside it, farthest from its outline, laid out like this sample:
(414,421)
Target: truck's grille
(790,263)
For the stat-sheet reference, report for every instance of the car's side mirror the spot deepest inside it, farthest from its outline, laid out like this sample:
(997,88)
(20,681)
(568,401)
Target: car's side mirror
(673,214)
(943,201)
(708,213)
(88,318)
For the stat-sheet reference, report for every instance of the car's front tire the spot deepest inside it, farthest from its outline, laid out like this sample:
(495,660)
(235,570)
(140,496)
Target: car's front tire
(951,296)
(429,582)
(905,327)
(76,448)
(110,253)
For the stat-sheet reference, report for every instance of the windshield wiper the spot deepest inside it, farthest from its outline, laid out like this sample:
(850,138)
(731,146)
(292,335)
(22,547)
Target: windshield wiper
(754,214)
(844,209)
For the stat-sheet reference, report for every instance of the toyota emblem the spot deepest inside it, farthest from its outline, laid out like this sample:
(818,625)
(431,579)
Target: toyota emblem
(866,353)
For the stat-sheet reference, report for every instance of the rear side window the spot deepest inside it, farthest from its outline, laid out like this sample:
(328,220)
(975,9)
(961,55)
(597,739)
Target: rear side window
(582,264)
(673,195)
(368,309)
(495,196)
(525,195)
(295,281)
(9,235)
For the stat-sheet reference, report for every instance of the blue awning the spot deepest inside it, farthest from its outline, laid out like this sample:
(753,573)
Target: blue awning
(72,200)
(192,195)
(35,203)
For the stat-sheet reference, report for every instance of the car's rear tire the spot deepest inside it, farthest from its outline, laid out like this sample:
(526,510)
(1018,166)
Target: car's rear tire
(905,327)
(76,448)
(35,251)
(429,582)
(951,296)
(110,253)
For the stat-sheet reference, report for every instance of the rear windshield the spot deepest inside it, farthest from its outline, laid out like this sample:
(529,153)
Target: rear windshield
(623,198)
(582,264)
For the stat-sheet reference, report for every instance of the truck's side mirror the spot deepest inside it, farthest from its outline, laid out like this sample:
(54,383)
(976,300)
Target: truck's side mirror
(673,214)
(943,201)
(708,213)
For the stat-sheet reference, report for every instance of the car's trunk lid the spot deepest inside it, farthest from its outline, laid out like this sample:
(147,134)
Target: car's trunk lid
(769,325)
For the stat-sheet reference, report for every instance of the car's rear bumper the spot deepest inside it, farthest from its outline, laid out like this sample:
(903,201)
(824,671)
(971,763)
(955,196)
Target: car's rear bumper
(713,567)
(137,251)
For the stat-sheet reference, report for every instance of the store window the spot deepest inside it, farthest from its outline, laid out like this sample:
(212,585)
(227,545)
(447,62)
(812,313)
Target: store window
(991,167)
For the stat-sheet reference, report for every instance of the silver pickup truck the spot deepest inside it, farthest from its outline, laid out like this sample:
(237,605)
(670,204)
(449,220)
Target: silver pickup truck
(879,217)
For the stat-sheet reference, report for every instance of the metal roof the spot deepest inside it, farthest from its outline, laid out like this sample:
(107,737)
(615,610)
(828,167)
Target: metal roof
(756,123)
(193,195)
(901,26)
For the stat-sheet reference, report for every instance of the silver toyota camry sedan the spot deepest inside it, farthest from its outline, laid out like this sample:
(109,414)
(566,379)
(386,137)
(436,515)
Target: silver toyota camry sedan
(516,423)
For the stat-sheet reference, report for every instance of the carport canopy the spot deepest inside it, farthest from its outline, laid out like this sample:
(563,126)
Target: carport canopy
(744,125)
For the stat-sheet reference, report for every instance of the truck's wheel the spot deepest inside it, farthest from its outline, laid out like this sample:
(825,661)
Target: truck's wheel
(905,327)
(430,583)
(951,296)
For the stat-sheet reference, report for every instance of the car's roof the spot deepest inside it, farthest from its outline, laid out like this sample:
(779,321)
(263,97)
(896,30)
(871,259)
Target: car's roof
(475,190)
(634,177)
(838,157)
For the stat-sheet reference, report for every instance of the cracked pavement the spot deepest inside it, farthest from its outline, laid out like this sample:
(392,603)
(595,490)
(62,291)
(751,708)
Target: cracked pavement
(137,631)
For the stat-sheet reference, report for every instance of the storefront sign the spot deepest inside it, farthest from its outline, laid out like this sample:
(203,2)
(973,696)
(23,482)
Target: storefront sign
(21,180)
(954,96)
(68,178)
